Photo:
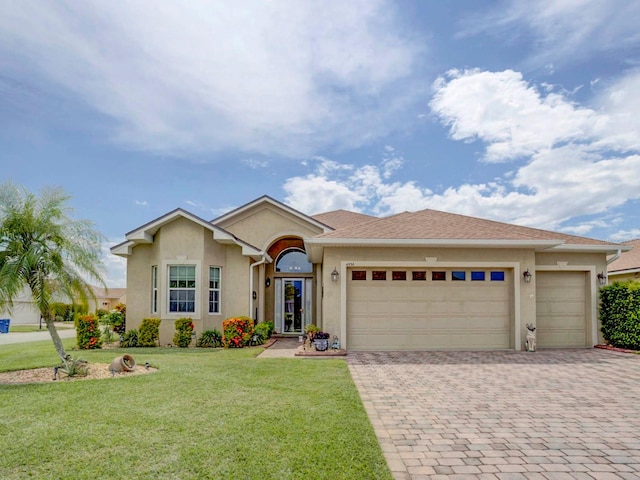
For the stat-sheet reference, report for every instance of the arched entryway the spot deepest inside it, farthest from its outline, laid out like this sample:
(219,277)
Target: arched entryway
(291,296)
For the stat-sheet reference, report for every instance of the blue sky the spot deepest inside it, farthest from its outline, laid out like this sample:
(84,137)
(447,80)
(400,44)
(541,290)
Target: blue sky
(524,112)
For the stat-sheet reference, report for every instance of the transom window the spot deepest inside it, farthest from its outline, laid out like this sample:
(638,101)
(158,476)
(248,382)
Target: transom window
(182,288)
(214,289)
(293,261)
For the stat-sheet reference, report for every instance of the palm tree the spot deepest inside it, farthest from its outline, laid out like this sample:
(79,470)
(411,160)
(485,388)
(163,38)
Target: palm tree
(45,250)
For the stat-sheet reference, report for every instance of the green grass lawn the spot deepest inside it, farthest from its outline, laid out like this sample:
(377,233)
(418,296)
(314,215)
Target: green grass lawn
(34,328)
(206,414)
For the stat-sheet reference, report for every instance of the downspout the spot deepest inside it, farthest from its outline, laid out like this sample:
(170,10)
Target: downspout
(251,272)
(615,257)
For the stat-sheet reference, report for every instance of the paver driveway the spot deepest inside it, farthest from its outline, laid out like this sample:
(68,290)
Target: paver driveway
(555,414)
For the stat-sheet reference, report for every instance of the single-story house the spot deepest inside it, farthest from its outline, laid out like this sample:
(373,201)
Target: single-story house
(425,280)
(627,265)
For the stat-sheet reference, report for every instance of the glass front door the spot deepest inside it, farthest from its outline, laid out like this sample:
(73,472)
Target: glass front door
(293,306)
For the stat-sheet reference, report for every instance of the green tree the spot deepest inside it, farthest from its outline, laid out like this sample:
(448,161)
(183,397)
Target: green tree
(44,250)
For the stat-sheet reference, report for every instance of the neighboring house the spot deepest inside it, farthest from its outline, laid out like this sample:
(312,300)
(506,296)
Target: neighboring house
(627,266)
(412,281)
(24,312)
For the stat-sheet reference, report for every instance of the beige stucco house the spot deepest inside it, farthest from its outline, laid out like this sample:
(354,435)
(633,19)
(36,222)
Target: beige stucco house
(413,281)
(627,265)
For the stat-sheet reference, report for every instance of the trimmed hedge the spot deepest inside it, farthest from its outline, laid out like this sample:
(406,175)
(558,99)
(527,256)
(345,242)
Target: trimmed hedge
(620,314)
(184,328)
(149,332)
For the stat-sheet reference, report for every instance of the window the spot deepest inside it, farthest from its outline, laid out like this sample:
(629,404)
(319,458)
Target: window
(293,261)
(358,275)
(458,276)
(379,275)
(399,275)
(182,288)
(497,276)
(477,276)
(438,276)
(214,289)
(154,289)
(419,275)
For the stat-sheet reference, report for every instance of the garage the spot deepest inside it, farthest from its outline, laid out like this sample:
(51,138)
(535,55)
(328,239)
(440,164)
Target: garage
(429,309)
(561,307)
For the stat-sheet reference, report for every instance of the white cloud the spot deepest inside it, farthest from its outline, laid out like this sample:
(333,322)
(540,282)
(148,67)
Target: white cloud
(563,31)
(116,267)
(625,235)
(284,76)
(571,161)
(142,203)
(255,164)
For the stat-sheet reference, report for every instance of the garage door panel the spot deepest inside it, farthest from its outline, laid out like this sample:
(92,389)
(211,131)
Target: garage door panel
(423,315)
(561,309)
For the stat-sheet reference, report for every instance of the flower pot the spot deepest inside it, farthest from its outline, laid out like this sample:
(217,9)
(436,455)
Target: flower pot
(321,344)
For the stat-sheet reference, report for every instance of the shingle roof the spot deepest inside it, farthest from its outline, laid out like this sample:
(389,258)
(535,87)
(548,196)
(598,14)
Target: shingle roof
(628,260)
(342,218)
(433,224)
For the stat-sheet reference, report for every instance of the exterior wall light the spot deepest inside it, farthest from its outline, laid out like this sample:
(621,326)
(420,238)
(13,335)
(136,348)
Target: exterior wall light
(267,282)
(602,278)
(334,275)
(527,276)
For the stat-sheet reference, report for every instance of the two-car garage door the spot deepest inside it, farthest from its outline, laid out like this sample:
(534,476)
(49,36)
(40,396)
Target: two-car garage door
(404,309)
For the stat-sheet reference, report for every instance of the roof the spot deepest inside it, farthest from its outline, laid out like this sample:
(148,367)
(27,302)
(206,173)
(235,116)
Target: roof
(432,228)
(628,260)
(100,292)
(342,218)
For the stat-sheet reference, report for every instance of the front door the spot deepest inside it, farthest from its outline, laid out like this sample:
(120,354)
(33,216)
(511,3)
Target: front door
(293,305)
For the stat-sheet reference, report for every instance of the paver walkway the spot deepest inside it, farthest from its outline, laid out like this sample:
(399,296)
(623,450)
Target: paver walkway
(548,415)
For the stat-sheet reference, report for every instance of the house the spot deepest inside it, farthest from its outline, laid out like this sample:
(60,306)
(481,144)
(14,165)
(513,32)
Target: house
(627,265)
(412,281)
(107,298)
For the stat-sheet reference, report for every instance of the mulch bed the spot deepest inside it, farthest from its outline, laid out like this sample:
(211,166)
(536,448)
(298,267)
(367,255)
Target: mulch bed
(616,349)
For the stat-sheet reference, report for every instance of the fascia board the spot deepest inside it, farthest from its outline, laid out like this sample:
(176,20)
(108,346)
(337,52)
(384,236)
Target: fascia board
(613,273)
(451,243)
(591,248)
(123,249)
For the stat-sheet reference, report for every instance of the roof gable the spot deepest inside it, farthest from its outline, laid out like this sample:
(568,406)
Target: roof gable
(343,218)
(145,233)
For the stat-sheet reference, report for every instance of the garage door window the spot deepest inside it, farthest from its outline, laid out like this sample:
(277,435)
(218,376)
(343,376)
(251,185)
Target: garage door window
(458,276)
(379,275)
(417,276)
(399,275)
(497,276)
(438,276)
(477,276)
(358,275)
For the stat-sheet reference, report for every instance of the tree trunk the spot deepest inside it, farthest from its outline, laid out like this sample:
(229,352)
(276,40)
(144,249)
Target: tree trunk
(56,339)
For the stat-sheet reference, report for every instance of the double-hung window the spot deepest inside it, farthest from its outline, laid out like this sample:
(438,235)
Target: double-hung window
(154,289)
(182,288)
(214,289)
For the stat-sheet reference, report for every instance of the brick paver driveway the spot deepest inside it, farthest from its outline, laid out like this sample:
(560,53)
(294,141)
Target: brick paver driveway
(504,415)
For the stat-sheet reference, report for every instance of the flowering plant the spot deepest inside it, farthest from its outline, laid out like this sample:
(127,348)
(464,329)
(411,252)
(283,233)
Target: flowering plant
(321,336)
(184,332)
(88,333)
(237,332)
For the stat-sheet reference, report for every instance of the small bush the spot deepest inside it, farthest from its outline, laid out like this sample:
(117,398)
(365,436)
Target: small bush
(74,367)
(184,330)
(209,339)
(262,331)
(237,332)
(620,314)
(149,332)
(270,326)
(101,312)
(129,339)
(121,308)
(88,333)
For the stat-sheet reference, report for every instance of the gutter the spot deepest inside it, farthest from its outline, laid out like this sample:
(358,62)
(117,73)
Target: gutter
(615,257)
(264,259)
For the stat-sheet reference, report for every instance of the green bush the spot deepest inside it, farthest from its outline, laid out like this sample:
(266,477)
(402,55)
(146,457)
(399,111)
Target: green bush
(237,332)
(184,330)
(129,339)
(88,333)
(262,331)
(270,326)
(209,339)
(121,308)
(620,314)
(101,312)
(149,332)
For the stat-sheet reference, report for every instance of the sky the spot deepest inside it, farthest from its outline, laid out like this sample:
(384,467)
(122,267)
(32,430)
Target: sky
(522,112)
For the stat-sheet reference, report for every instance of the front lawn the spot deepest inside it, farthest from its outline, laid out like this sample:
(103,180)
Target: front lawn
(205,414)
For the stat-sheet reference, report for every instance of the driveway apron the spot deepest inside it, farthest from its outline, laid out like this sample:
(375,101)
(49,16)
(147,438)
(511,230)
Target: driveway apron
(548,415)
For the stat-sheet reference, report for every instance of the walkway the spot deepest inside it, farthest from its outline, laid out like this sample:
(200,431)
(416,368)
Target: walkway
(549,415)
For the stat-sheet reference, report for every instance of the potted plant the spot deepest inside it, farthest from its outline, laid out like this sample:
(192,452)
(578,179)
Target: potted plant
(321,341)
(311,331)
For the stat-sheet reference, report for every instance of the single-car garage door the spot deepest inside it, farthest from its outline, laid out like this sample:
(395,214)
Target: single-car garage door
(405,309)
(561,309)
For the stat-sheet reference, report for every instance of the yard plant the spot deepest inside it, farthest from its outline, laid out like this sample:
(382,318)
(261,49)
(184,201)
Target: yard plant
(620,314)
(206,413)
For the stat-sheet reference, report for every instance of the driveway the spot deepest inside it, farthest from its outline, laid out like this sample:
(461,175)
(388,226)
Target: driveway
(548,415)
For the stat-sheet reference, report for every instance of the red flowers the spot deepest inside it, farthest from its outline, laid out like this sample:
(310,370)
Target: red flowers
(237,332)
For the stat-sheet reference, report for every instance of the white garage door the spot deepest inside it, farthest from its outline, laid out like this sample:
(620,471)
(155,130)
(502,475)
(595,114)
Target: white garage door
(403,309)
(561,309)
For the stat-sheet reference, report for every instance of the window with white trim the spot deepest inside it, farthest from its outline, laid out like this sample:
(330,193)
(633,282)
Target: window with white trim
(182,288)
(214,289)
(154,289)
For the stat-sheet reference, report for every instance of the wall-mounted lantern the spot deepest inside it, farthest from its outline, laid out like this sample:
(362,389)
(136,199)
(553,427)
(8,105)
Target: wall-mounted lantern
(334,275)
(267,282)
(527,276)
(602,278)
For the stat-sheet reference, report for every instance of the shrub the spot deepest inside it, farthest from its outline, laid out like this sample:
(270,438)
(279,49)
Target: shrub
(129,339)
(101,312)
(121,308)
(270,326)
(237,332)
(184,330)
(149,332)
(262,331)
(88,333)
(209,339)
(73,367)
(113,320)
(620,314)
